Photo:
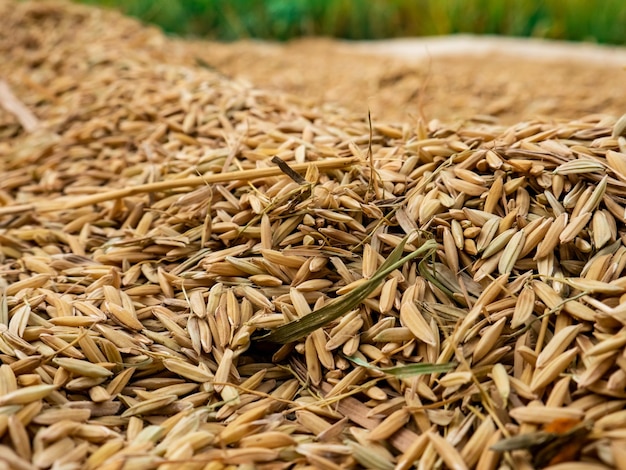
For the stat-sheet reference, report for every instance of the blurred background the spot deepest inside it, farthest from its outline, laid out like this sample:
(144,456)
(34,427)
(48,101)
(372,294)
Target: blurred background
(596,21)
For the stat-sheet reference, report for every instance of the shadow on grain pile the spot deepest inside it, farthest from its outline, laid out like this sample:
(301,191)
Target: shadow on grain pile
(433,295)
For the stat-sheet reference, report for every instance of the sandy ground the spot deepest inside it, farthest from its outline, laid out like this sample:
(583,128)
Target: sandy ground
(444,78)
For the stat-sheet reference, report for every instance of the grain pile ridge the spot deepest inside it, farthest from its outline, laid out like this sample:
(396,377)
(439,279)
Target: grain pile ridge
(164,231)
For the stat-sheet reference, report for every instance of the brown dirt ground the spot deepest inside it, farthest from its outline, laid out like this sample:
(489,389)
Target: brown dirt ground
(512,80)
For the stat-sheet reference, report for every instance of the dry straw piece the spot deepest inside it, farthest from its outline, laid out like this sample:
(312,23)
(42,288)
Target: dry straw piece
(200,274)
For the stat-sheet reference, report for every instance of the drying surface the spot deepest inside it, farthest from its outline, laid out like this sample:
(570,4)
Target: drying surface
(172,294)
(445,78)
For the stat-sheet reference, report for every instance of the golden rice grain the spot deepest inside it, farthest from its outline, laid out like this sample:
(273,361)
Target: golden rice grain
(83,368)
(187,371)
(539,414)
(371,456)
(523,307)
(389,425)
(477,443)
(26,395)
(269,440)
(447,452)
(544,376)
(559,343)
(411,317)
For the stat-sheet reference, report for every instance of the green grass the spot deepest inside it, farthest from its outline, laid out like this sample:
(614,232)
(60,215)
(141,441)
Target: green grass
(601,21)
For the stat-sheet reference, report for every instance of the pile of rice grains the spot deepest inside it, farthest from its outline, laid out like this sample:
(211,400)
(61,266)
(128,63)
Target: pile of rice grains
(196,274)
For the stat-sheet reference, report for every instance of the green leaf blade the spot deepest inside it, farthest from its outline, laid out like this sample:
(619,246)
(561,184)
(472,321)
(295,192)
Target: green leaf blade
(299,328)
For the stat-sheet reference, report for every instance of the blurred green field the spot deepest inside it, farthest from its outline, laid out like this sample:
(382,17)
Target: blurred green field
(602,21)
